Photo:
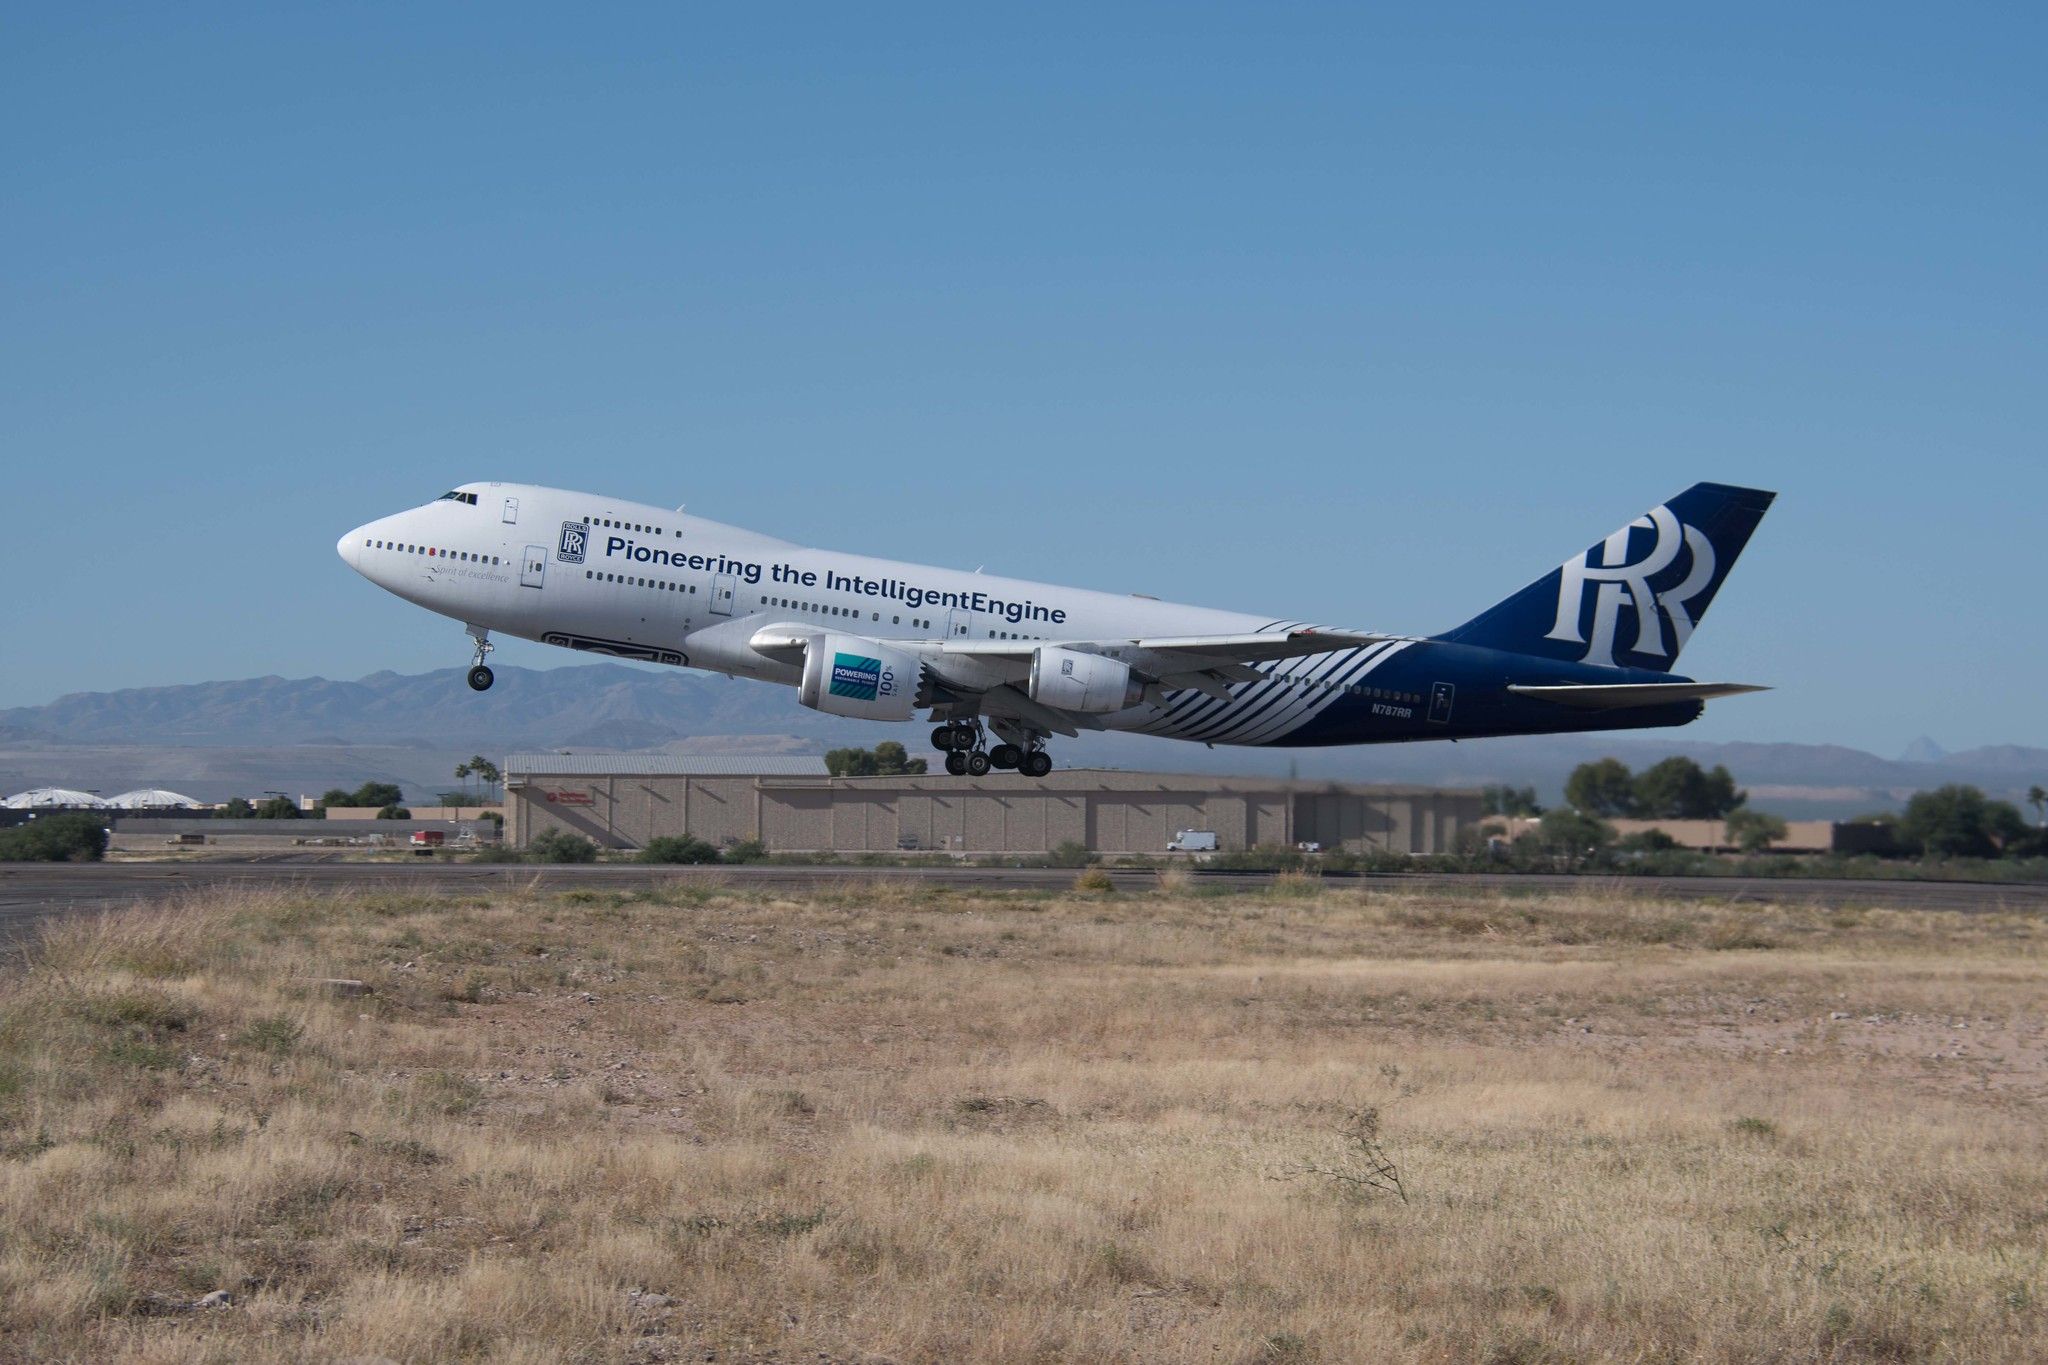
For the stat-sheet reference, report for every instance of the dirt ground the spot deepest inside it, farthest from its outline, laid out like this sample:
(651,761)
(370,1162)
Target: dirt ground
(896,1122)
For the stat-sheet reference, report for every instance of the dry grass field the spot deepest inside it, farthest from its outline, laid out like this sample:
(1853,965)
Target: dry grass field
(897,1123)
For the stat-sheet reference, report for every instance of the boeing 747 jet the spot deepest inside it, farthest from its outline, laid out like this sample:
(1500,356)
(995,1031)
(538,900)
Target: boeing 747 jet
(1001,665)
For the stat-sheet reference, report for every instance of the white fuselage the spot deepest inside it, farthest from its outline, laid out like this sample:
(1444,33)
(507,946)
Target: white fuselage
(667,587)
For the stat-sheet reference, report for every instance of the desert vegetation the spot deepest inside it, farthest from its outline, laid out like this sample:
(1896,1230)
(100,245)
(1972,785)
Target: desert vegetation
(893,1122)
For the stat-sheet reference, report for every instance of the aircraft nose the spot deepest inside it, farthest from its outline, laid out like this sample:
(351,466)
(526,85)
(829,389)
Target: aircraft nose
(349,547)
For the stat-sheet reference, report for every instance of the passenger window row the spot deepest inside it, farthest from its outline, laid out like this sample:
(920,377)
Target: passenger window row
(639,526)
(822,609)
(661,584)
(430,551)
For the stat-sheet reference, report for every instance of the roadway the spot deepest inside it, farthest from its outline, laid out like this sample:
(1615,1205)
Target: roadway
(29,891)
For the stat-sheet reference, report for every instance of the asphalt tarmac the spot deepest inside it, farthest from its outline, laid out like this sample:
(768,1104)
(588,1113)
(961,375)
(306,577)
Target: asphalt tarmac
(30,891)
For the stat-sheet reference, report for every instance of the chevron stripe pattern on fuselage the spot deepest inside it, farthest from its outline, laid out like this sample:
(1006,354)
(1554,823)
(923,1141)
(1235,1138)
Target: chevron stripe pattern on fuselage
(1290,693)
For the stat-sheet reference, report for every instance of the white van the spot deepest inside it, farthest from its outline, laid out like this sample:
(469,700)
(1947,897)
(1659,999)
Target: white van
(1193,841)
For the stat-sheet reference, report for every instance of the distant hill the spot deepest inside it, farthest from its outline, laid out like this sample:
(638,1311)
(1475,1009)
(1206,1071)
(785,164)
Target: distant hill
(306,734)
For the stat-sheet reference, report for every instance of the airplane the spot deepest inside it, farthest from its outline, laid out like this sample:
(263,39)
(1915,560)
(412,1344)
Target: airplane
(1588,646)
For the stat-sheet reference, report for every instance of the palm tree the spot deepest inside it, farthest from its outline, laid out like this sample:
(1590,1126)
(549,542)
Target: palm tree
(2037,797)
(462,772)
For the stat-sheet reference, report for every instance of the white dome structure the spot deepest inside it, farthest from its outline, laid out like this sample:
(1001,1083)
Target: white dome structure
(44,798)
(152,798)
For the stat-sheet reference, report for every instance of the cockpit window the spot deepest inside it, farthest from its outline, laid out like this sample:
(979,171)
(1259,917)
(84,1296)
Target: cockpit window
(469,498)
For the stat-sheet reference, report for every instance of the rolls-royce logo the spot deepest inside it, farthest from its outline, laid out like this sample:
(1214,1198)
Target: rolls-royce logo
(575,536)
(1619,582)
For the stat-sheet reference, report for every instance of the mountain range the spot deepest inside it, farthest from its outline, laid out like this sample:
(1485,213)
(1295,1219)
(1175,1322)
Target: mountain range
(217,739)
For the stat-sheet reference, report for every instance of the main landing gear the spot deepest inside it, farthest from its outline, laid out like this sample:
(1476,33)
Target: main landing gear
(480,675)
(963,743)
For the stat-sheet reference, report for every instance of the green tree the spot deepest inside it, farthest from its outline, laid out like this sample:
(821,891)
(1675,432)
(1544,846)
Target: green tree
(486,774)
(369,794)
(1604,788)
(1651,840)
(394,811)
(55,839)
(236,808)
(887,759)
(1510,801)
(1573,839)
(1753,831)
(1959,821)
(278,808)
(849,763)
(891,760)
(1678,789)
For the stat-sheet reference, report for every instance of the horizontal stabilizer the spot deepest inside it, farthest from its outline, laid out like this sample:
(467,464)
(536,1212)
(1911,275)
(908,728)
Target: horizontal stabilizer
(1617,696)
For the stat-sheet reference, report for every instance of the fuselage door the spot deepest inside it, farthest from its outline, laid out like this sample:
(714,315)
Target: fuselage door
(533,566)
(956,624)
(511,511)
(1441,695)
(721,595)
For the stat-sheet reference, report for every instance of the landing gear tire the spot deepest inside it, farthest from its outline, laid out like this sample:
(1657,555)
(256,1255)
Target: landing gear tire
(481,678)
(942,738)
(1037,763)
(956,763)
(977,764)
(1005,756)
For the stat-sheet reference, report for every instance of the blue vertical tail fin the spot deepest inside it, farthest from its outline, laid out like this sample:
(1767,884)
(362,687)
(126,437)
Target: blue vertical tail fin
(1632,600)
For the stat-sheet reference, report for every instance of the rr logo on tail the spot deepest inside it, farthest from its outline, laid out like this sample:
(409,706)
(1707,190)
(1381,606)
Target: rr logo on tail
(1620,583)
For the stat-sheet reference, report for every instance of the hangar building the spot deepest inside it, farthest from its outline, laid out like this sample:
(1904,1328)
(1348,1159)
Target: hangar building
(791,805)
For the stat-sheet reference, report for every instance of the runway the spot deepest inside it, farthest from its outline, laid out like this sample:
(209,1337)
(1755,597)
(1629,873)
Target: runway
(30,891)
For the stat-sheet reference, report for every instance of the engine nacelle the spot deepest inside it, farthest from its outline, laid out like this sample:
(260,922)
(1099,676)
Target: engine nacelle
(1069,680)
(849,675)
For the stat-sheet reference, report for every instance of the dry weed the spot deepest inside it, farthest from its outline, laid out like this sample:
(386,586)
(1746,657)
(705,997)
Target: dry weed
(941,1126)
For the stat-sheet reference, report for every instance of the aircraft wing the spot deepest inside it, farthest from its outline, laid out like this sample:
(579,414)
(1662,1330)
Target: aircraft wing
(1196,651)
(1203,663)
(993,672)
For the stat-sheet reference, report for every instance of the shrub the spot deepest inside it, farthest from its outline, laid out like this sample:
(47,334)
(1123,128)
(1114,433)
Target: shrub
(55,839)
(746,851)
(1258,858)
(1070,853)
(676,849)
(496,853)
(1094,880)
(560,846)
(1754,831)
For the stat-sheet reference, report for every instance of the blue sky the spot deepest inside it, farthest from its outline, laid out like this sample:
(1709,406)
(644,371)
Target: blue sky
(1352,315)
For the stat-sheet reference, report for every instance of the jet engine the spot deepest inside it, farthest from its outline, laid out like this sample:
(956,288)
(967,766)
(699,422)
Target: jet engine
(849,675)
(1069,680)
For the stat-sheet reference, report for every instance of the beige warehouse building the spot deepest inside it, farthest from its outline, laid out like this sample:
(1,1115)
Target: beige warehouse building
(791,805)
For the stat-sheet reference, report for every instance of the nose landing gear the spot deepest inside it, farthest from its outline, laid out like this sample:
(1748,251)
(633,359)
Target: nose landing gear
(480,675)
